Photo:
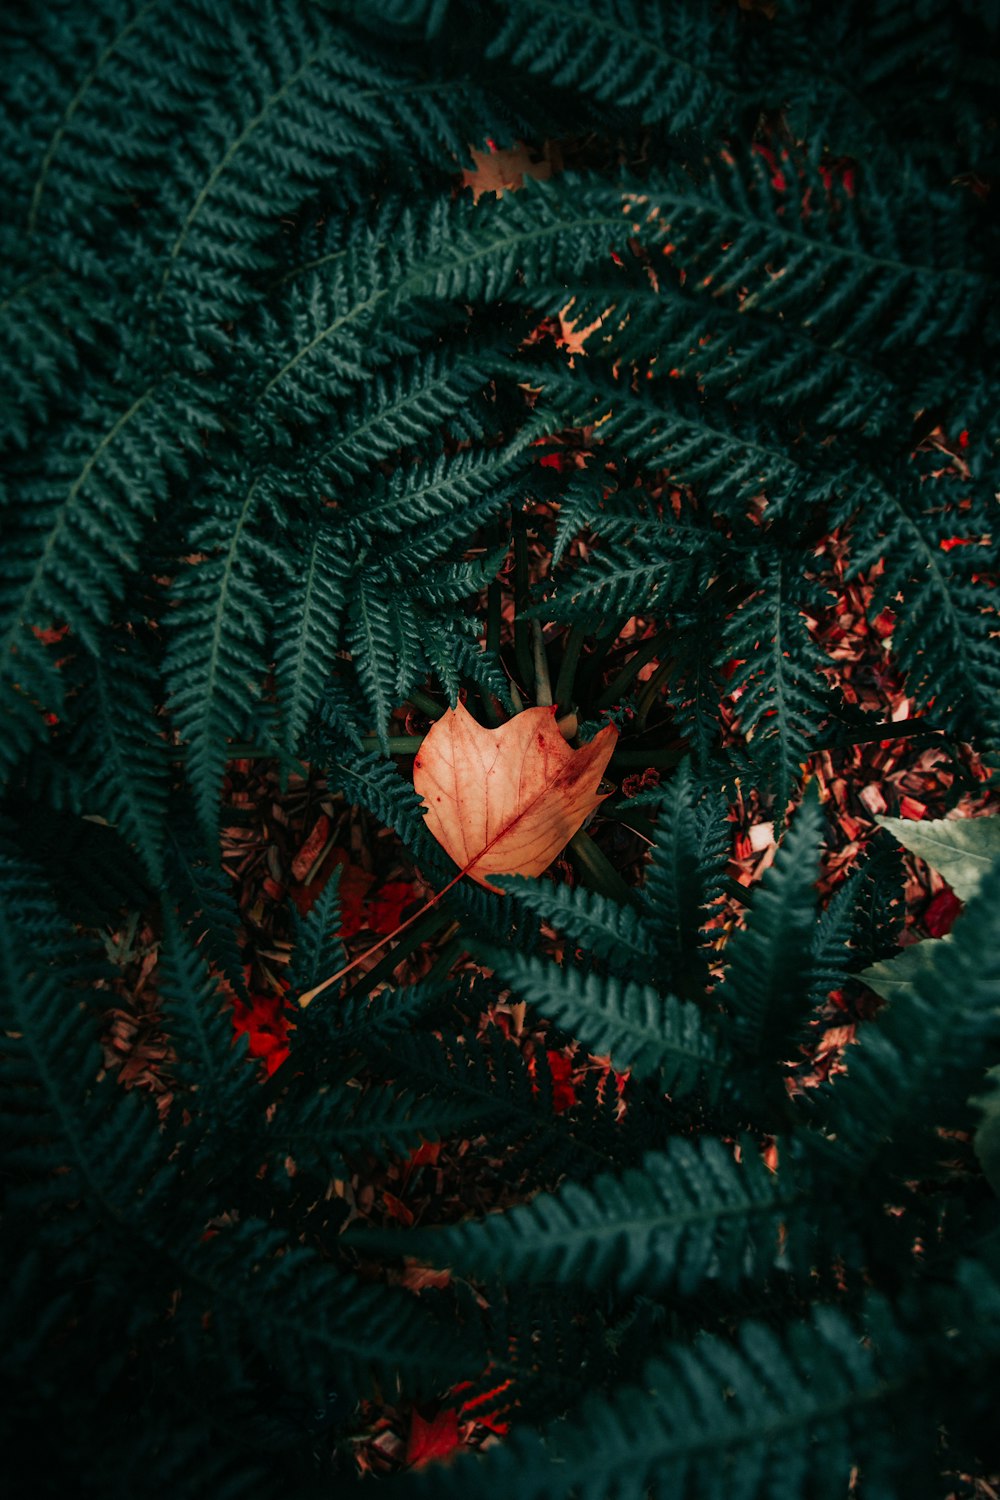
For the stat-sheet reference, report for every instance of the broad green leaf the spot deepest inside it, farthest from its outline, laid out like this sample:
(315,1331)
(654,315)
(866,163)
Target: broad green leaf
(960,849)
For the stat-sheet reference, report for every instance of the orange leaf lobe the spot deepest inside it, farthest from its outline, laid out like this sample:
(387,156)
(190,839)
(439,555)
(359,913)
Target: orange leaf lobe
(505,801)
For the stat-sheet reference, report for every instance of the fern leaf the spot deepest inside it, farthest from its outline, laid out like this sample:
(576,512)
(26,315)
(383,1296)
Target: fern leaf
(767,970)
(216,660)
(627,54)
(120,742)
(307,631)
(317,948)
(316,1325)
(689,1216)
(915,1067)
(684,875)
(718,1419)
(593,922)
(200,1025)
(637,1026)
(777,679)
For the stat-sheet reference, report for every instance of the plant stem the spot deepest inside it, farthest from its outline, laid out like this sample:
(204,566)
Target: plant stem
(645,653)
(522,647)
(543,682)
(426,704)
(597,871)
(493,619)
(568,666)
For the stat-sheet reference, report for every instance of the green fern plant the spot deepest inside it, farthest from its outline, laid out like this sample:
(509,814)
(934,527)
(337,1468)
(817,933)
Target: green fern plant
(295,454)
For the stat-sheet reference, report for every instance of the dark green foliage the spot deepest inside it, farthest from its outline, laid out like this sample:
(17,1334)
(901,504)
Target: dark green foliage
(688,1216)
(767,975)
(285,429)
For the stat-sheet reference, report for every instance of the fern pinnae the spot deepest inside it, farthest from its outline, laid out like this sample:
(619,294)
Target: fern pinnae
(128,770)
(767,976)
(308,630)
(682,1219)
(215,680)
(640,1028)
(74,104)
(200,1026)
(592,921)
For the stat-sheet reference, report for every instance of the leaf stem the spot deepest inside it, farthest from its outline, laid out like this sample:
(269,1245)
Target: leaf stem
(310,995)
(426,704)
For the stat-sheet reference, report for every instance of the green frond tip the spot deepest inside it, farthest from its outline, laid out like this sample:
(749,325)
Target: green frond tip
(634,1024)
(715,1419)
(688,1217)
(591,921)
(766,986)
(915,1067)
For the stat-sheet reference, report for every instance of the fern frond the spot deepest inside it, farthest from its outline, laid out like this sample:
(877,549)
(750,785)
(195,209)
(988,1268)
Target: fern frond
(689,1216)
(593,922)
(400,411)
(371,782)
(685,872)
(501,1097)
(317,1327)
(333,1128)
(944,633)
(718,1419)
(767,962)
(636,1025)
(627,54)
(917,1064)
(307,630)
(70,1141)
(350,319)
(199,1023)
(777,681)
(205,898)
(317,948)
(120,743)
(216,661)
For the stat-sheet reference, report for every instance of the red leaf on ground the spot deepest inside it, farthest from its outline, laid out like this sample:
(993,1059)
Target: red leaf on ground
(396,1208)
(385,911)
(432,1440)
(266,1025)
(563,1092)
(940,915)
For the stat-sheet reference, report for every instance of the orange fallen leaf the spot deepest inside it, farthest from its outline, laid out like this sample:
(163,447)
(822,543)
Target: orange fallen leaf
(505,801)
(500,801)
